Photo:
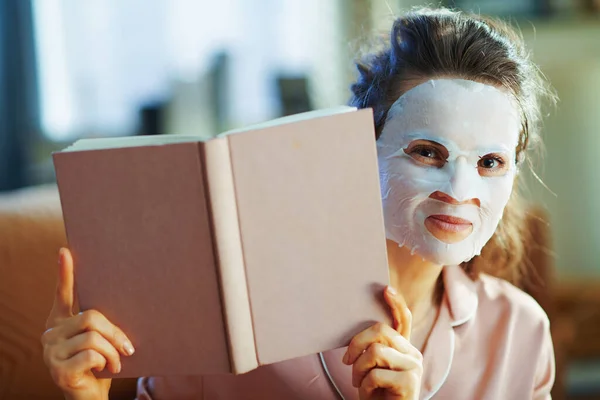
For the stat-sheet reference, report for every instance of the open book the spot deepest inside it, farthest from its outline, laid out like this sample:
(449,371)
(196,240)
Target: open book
(221,255)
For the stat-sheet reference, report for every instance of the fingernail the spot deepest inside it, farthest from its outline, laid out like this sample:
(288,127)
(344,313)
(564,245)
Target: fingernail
(345,358)
(392,291)
(128,347)
(60,253)
(119,367)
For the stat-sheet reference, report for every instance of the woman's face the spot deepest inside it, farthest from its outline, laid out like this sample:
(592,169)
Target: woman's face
(447,167)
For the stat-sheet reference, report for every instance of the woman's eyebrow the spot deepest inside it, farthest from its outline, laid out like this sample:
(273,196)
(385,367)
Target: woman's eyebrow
(429,141)
(448,144)
(500,148)
(428,136)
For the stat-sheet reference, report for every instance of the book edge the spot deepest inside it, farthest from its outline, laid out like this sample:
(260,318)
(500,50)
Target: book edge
(122,142)
(56,163)
(229,254)
(291,119)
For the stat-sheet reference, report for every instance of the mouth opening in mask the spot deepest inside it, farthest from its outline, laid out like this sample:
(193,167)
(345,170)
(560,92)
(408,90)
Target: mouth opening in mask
(447,228)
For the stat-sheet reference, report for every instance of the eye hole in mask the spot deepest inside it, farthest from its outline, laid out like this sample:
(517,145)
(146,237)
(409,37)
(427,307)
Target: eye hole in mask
(428,153)
(433,154)
(492,165)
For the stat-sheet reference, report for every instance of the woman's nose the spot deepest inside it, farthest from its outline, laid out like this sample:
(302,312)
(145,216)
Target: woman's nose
(463,182)
(446,198)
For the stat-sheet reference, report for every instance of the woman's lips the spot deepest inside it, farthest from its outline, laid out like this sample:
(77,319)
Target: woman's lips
(451,223)
(447,228)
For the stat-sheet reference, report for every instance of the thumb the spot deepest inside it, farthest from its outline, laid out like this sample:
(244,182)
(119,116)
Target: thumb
(63,300)
(400,312)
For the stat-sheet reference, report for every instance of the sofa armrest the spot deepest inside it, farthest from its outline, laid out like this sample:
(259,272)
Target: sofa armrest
(31,233)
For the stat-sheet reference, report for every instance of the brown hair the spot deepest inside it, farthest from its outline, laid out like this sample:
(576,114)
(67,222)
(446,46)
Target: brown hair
(429,43)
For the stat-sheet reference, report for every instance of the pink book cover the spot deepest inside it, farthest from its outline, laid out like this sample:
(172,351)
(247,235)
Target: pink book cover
(309,207)
(137,223)
(305,199)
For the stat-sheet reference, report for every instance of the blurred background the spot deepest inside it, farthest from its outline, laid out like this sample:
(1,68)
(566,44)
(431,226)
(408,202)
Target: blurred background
(73,69)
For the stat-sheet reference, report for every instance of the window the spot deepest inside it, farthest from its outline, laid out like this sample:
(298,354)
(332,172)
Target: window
(100,60)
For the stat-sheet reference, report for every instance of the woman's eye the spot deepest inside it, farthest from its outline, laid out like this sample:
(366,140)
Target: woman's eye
(428,155)
(492,165)
(488,162)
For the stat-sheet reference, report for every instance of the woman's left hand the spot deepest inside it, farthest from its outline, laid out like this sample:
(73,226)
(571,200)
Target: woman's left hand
(385,365)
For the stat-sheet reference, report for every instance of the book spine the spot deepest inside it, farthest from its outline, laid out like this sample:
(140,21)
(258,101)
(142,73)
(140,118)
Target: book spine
(229,254)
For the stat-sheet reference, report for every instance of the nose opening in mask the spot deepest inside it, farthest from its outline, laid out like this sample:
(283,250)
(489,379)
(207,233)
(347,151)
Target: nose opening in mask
(463,182)
(446,198)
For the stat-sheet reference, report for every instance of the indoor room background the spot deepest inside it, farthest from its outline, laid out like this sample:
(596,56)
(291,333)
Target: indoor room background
(72,69)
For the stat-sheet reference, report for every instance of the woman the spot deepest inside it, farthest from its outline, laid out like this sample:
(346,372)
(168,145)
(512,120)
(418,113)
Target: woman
(456,107)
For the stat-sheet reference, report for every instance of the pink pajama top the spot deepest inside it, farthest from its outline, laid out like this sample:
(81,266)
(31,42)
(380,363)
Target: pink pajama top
(490,341)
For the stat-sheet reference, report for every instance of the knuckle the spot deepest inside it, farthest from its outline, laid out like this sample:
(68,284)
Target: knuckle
(403,392)
(379,327)
(70,380)
(89,318)
(414,377)
(92,339)
(89,356)
(46,337)
(371,376)
(370,380)
(63,378)
(419,358)
(376,351)
(367,381)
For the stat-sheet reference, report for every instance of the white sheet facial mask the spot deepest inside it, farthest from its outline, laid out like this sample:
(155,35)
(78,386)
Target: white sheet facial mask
(447,149)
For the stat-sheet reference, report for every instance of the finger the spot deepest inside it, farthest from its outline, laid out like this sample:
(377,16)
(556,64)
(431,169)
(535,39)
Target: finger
(92,320)
(378,333)
(383,334)
(72,371)
(400,312)
(402,384)
(91,341)
(381,356)
(63,300)
(388,294)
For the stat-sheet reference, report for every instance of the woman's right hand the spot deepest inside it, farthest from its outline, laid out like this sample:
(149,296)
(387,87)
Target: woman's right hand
(74,345)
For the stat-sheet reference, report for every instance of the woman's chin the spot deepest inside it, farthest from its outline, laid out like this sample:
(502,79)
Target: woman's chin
(435,254)
(443,258)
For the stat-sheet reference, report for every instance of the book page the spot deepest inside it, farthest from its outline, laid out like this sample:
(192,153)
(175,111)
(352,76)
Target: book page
(158,140)
(131,141)
(290,119)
